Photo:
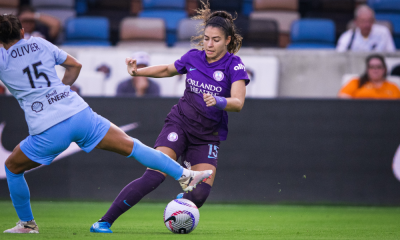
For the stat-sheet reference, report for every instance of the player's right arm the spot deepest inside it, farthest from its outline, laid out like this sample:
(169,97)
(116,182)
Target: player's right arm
(72,70)
(158,71)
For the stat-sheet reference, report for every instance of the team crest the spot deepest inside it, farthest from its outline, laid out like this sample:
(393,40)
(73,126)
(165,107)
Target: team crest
(218,75)
(172,137)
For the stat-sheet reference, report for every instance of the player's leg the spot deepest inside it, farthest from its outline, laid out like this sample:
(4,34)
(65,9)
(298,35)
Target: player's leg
(118,141)
(201,157)
(30,153)
(131,194)
(16,164)
(200,194)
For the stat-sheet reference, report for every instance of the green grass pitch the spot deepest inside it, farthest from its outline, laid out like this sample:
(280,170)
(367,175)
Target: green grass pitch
(72,220)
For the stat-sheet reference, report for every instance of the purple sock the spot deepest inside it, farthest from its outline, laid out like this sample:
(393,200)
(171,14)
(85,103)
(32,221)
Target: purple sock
(199,195)
(132,194)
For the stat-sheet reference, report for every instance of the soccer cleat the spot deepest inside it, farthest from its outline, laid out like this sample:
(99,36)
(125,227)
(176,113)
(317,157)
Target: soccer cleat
(101,227)
(190,182)
(24,227)
(179,196)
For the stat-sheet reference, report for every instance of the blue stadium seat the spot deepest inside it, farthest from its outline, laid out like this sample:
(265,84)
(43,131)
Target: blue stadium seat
(312,33)
(162,4)
(247,7)
(86,31)
(171,18)
(385,5)
(395,20)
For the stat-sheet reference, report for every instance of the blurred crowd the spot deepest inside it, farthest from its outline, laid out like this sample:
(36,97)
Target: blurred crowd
(345,25)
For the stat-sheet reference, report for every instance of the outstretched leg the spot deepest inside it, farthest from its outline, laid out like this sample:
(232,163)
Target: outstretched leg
(16,164)
(131,195)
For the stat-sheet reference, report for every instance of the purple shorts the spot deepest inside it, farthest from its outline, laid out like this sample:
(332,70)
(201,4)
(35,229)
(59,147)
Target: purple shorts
(174,137)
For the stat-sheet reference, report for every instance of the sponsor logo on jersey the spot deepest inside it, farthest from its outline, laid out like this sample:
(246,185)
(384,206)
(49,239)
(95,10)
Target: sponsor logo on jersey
(172,137)
(239,67)
(55,97)
(198,87)
(37,107)
(218,76)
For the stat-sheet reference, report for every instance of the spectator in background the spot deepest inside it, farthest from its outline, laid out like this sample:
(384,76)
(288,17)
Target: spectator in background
(38,24)
(367,36)
(373,83)
(139,86)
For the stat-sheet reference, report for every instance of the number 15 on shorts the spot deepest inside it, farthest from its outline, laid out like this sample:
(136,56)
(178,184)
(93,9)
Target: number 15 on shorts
(213,151)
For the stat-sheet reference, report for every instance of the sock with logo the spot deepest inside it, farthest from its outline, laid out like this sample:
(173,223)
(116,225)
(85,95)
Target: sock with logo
(20,195)
(132,194)
(199,195)
(155,159)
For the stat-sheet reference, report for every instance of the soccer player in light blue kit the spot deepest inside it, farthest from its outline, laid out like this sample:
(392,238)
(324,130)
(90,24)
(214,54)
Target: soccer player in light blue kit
(57,116)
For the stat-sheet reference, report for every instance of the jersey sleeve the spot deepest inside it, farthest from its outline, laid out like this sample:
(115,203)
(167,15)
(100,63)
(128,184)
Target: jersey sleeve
(180,64)
(59,55)
(238,71)
(349,88)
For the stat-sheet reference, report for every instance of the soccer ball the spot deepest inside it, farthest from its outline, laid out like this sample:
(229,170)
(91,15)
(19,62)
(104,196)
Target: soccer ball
(181,216)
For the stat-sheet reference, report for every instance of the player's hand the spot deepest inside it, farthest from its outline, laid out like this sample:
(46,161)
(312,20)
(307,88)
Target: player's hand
(209,99)
(131,66)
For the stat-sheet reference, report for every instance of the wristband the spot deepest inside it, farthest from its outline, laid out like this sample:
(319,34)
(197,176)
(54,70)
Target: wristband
(221,103)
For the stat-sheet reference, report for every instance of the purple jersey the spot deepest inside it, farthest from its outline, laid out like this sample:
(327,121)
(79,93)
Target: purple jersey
(202,122)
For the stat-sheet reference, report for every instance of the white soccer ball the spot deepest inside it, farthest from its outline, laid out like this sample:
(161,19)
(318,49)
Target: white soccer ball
(181,216)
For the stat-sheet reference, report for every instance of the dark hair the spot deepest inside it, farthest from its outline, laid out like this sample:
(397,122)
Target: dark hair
(10,28)
(220,19)
(365,78)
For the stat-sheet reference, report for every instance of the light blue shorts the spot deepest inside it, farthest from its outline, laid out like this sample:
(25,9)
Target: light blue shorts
(86,128)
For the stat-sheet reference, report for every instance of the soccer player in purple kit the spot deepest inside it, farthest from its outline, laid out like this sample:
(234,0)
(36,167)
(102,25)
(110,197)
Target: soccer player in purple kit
(215,83)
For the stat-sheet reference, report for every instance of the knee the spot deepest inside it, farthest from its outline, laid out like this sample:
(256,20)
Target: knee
(12,166)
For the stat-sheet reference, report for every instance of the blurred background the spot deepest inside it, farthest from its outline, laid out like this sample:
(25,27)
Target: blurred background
(301,55)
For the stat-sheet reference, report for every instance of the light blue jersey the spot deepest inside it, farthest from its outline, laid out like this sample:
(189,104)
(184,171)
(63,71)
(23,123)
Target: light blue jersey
(27,70)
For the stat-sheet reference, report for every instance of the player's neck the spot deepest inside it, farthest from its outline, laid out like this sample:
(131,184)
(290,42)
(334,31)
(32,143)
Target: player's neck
(216,58)
(10,44)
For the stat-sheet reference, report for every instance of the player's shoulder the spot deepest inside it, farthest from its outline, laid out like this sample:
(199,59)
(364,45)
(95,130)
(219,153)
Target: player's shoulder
(380,29)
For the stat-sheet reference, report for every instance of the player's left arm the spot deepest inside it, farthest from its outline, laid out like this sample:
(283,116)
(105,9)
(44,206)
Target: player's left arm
(235,102)
(72,70)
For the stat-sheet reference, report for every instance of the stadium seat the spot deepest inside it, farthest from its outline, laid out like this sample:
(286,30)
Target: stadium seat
(284,12)
(263,5)
(164,5)
(62,14)
(395,20)
(230,6)
(186,29)
(84,31)
(171,18)
(312,33)
(247,7)
(53,3)
(388,6)
(261,33)
(9,3)
(144,32)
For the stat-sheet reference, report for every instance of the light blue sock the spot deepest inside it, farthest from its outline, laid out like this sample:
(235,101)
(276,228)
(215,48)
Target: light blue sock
(155,159)
(20,195)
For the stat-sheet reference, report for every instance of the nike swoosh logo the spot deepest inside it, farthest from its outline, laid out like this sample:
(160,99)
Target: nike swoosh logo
(173,218)
(127,203)
(192,69)
(72,149)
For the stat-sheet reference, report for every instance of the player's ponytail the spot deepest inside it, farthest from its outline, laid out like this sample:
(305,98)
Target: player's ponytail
(10,28)
(220,19)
